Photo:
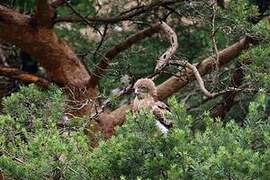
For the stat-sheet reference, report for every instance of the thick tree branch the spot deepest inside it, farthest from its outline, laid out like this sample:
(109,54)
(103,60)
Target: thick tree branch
(61,63)
(112,52)
(16,74)
(121,17)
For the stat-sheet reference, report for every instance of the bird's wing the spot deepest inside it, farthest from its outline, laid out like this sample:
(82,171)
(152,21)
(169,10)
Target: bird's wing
(160,110)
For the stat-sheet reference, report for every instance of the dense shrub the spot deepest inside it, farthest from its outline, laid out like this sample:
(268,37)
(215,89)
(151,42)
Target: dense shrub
(32,147)
(215,151)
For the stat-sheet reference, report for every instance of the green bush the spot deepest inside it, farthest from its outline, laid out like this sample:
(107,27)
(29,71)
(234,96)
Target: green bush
(218,152)
(32,146)
(137,151)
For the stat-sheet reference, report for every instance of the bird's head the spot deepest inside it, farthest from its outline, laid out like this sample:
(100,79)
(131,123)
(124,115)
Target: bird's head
(144,88)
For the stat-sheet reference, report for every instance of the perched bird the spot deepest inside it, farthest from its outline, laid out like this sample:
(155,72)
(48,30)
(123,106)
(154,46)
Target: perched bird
(146,97)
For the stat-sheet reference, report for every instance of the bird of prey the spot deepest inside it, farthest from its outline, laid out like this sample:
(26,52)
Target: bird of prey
(146,97)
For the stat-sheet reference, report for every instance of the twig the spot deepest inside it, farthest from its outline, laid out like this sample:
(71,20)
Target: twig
(101,41)
(84,19)
(220,93)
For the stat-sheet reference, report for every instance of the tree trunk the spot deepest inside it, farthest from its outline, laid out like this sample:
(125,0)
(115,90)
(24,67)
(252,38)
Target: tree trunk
(36,37)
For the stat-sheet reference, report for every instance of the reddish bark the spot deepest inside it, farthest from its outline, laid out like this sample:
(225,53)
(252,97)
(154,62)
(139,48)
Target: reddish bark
(41,42)
(36,37)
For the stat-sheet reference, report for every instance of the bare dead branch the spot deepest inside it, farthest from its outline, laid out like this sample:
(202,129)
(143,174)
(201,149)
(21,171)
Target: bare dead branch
(242,88)
(17,74)
(173,84)
(171,36)
(196,74)
(165,57)
(214,43)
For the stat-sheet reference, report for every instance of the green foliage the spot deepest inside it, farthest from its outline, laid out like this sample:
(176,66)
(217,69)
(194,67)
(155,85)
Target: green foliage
(32,146)
(25,5)
(258,72)
(137,151)
(218,152)
(237,15)
(32,103)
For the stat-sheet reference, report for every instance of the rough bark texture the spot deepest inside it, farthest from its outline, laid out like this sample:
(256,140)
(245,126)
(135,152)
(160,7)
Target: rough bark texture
(173,84)
(41,42)
(35,36)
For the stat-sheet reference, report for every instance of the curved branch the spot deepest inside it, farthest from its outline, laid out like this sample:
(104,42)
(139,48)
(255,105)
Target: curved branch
(16,74)
(196,74)
(165,57)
